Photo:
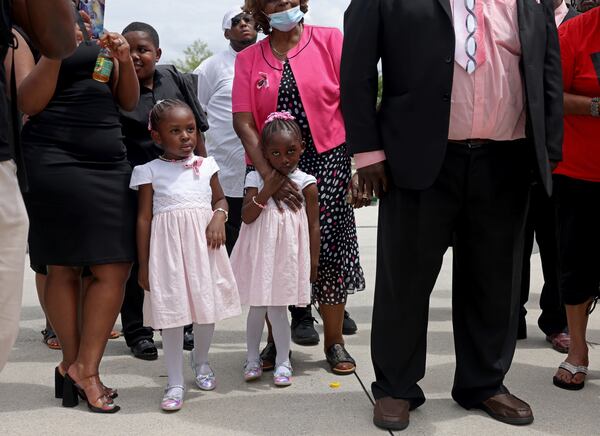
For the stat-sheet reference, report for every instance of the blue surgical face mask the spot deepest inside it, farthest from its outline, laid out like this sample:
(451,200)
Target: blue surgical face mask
(286,20)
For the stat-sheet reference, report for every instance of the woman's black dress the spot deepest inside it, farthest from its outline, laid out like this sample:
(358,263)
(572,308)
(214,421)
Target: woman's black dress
(79,203)
(340,272)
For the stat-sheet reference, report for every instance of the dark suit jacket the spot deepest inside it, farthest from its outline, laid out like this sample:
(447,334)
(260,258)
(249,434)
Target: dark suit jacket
(415,42)
(571,14)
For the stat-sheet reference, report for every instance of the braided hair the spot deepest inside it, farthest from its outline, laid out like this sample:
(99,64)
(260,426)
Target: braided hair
(161,108)
(277,122)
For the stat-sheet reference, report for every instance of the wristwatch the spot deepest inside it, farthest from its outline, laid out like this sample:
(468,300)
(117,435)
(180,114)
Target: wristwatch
(595,107)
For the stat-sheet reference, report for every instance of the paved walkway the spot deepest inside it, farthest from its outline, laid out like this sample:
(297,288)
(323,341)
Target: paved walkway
(310,406)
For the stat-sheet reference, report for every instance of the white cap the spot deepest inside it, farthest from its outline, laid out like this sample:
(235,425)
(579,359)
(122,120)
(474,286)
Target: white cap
(229,16)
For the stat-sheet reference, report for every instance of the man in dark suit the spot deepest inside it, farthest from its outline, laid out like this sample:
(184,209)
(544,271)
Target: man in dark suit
(541,222)
(471,114)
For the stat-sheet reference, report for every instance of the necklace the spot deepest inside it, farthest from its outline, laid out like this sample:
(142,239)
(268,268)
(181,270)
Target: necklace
(284,54)
(174,160)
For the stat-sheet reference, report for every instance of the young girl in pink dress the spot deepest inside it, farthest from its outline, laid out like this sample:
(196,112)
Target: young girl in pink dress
(277,253)
(184,266)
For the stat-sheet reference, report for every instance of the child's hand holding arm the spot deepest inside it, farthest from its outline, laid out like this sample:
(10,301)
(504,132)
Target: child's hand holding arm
(311,195)
(144,225)
(215,231)
(255,201)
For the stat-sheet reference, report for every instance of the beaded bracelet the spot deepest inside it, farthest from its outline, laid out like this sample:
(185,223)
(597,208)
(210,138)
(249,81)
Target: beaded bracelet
(595,107)
(220,209)
(262,206)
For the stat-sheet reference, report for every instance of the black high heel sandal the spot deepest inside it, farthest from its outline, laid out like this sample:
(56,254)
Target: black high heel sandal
(59,381)
(72,392)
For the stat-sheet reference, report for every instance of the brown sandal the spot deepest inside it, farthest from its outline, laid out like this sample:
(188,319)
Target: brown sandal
(50,339)
(336,355)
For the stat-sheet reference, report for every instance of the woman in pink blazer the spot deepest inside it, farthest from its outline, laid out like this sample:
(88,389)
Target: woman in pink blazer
(297,69)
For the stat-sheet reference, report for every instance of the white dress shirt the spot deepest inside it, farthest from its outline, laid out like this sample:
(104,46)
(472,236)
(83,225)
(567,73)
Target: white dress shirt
(215,83)
(560,13)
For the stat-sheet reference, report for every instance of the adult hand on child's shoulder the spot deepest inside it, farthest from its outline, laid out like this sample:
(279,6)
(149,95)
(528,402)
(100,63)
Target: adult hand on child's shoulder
(143,280)
(285,191)
(274,182)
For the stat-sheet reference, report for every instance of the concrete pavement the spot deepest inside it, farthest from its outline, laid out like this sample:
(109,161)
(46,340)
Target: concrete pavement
(310,406)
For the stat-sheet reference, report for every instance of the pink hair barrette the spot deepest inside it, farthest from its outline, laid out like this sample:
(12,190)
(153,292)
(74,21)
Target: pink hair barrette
(284,116)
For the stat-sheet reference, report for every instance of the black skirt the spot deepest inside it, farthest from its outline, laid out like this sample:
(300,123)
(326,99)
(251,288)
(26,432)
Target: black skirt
(81,210)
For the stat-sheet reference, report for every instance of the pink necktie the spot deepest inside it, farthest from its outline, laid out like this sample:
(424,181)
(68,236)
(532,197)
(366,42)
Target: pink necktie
(469,30)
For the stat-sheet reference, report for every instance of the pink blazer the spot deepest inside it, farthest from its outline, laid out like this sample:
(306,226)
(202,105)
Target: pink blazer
(315,62)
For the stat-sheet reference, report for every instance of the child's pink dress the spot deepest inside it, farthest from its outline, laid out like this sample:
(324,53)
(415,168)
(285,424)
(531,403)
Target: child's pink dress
(271,259)
(189,282)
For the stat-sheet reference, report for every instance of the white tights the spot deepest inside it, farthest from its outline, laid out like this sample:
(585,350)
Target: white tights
(173,350)
(281,332)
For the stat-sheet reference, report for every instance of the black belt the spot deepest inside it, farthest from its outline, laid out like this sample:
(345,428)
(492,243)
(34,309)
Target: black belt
(471,143)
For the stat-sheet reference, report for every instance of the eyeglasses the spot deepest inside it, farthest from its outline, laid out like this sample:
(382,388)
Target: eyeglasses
(248,19)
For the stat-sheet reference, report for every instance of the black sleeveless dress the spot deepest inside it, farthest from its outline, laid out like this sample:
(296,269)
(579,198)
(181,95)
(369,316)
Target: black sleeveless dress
(80,206)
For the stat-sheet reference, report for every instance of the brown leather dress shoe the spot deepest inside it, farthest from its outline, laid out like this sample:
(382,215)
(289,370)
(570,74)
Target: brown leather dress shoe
(508,409)
(391,413)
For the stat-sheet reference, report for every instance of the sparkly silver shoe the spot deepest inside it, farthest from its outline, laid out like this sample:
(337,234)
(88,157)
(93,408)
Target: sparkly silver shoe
(252,370)
(172,401)
(206,382)
(283,375)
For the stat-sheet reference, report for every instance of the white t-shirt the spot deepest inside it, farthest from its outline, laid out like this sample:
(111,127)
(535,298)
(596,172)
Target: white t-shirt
(176,184)
(215,83)
(301,179)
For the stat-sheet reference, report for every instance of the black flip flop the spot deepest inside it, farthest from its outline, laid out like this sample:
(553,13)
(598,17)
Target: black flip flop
(145,350)
(573,369)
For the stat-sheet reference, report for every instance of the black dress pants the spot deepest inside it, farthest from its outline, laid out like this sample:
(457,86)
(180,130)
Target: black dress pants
(131,311)
(234,223)
(478,203)
(541,220)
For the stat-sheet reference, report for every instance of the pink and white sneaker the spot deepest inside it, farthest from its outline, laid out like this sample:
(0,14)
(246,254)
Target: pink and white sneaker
(173,399)
(252,370)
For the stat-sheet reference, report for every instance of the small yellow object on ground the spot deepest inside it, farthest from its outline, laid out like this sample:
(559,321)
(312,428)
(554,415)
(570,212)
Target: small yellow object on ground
(334,385)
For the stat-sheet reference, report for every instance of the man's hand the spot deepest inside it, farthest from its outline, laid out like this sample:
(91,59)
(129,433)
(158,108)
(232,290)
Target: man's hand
(367,181)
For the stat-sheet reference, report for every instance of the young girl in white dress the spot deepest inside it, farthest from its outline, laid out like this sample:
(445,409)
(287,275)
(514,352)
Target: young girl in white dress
(184,267)
(276,256)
